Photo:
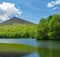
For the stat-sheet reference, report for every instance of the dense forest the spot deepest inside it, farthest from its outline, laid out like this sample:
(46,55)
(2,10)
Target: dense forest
(17,31)
(47,29)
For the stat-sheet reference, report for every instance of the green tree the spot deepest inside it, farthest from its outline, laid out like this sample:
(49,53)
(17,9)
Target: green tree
(49,28)
(54,27)
(42,30)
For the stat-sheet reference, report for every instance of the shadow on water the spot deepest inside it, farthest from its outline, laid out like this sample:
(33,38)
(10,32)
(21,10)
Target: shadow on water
(49,49)
(13,54)
(9,54)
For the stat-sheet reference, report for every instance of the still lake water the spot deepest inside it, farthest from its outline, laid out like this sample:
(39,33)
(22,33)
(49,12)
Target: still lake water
(44,48)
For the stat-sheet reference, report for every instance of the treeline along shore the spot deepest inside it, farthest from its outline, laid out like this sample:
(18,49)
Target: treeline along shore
(47,29)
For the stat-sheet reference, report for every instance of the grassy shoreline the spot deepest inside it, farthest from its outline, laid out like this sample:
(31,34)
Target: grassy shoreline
(15,48)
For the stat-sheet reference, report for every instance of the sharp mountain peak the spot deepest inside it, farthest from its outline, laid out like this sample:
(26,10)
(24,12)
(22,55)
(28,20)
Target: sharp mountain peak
(16,20)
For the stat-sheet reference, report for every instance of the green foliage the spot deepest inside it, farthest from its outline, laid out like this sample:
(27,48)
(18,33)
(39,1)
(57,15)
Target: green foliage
(42,29)
(49,28)
(17,31)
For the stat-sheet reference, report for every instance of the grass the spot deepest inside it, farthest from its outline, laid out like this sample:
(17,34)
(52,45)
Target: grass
(15,48)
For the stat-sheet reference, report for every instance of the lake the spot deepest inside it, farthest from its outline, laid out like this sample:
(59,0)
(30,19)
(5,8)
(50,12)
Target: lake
(44,48)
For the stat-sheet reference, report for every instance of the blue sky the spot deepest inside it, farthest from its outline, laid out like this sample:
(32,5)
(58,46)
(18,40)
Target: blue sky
(34,10)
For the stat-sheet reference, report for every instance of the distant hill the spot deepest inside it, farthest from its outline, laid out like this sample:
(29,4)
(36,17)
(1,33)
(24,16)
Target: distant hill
(16,20)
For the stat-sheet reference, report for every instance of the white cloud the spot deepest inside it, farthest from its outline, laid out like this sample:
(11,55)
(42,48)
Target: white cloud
(8,9)
(55,8)
(53,3)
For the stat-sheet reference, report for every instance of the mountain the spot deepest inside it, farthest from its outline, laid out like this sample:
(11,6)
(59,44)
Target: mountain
(16,20)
